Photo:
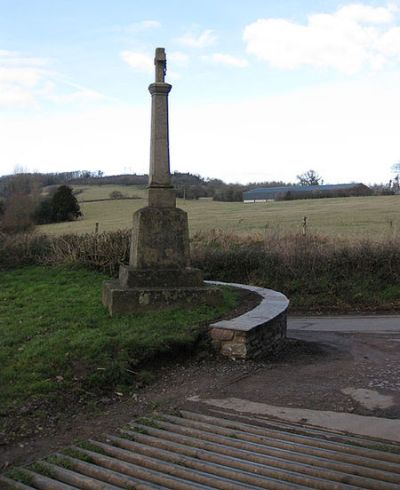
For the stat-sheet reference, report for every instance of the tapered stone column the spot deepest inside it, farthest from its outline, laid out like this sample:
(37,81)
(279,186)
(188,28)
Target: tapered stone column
(161,192)
(159,273)
(160,175)
(160,236)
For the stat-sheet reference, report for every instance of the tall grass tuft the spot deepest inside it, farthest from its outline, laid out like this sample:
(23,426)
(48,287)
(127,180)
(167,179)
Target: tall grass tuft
(100,251)
(104,252)
(21,249)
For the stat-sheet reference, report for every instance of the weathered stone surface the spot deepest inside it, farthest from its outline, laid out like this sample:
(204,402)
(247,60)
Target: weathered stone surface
(123,301)
(273,304)
(258,332)
(160,175)
(160,62)
(221,334)
(131,277)
(160,239)
(161,197)
(234,350)
(242,336)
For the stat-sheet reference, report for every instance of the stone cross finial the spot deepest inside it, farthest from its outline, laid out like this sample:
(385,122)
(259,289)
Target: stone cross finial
(160,62)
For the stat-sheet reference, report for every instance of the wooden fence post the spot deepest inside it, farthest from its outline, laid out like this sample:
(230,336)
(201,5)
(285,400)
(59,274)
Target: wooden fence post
(305,226)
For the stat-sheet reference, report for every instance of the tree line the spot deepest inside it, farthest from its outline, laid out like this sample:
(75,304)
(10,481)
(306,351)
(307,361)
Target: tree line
(24,204)
(188,186)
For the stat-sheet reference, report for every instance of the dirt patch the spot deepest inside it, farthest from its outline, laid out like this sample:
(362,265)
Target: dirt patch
(310,372)
(370,399)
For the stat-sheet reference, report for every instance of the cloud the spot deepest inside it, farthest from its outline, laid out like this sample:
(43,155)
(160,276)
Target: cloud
(226,59)
(359,12)
(354,37)
(26,82)
(109,137)
(14,96)
(138,61)
(23,76)
(203,40)
(20,79)
(4,52)
(81,95)
(12,58)
(347,132)
(178,57)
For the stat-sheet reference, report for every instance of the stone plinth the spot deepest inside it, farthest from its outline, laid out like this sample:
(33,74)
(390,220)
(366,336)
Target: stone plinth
(258,332)
(120,300)
(159,273)
(130,277)
(160,239)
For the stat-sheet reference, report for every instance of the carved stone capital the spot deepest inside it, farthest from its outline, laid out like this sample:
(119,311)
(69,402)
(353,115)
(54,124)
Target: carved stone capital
(159,88)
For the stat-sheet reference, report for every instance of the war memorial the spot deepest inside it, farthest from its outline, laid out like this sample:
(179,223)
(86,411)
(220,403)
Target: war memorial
(159,272)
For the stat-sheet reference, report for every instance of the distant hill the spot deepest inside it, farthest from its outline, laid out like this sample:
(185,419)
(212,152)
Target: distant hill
(188,186)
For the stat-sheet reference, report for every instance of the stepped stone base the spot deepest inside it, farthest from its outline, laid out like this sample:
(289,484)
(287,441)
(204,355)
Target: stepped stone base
(120,300)
(159,274)
(130,277)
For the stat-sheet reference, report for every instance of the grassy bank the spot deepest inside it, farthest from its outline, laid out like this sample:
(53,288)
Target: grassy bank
(58,344)
(368,217)
(318,273)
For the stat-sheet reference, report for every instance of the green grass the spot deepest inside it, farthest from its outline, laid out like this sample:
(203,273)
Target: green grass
(343,217)
(75,453)
(58,342)
(20,475)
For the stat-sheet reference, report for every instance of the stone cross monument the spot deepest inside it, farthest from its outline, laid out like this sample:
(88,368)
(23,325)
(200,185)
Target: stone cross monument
(159,273)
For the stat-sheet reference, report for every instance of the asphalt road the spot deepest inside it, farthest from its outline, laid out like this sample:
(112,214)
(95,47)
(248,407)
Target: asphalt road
(367,324)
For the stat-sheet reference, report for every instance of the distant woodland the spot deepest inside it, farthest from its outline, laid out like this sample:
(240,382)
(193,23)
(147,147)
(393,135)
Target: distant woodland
(189,186)
(27,199)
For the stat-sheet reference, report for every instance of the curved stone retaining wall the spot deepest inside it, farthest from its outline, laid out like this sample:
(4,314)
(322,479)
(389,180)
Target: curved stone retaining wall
(256,333)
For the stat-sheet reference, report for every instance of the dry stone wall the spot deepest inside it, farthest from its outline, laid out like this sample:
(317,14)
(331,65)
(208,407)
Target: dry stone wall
(256,333)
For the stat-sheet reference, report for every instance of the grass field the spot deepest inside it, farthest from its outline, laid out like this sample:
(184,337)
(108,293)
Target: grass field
(58,343)
(91,192)
(349,217)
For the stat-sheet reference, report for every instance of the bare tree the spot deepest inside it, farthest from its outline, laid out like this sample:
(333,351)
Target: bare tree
(396,171)
(17,215)
(310,178)
(21,197)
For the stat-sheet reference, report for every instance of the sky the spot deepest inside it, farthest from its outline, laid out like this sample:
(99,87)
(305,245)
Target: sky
(262,90)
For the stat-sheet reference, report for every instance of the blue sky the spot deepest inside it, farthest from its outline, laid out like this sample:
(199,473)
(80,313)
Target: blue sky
(262,90)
